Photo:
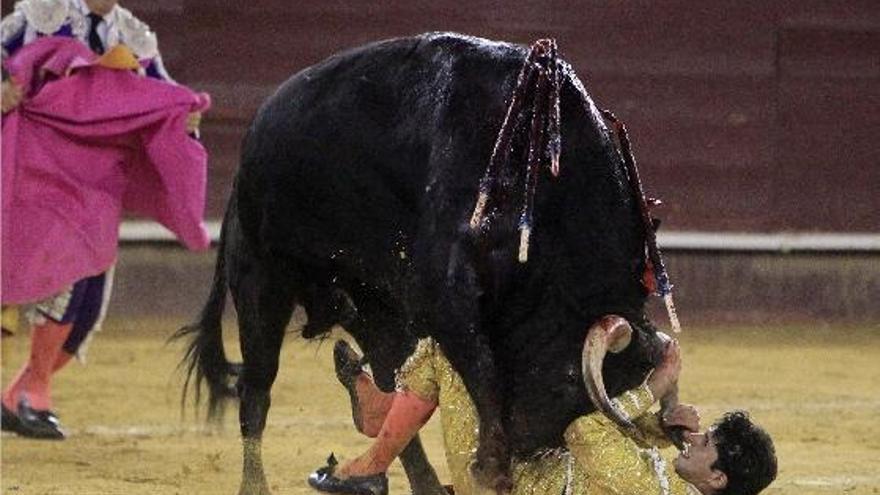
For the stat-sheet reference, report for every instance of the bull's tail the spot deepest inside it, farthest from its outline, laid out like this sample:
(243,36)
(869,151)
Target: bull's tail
(205,359)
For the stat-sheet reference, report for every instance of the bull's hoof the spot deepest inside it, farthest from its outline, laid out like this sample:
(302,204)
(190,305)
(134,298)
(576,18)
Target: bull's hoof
(447,489)
(493,475)
(254,489)
(254,483)
(491,470)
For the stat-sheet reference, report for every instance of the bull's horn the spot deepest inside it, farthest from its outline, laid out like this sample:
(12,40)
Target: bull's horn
(611,333)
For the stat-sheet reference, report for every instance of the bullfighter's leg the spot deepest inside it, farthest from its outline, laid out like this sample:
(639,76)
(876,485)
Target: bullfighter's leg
(370,406)
(27,399)
(264,301)
(406,416)
(66,320)
(380,322)
(366,473)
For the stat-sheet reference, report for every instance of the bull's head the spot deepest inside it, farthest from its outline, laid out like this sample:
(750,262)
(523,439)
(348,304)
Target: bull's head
(586,257)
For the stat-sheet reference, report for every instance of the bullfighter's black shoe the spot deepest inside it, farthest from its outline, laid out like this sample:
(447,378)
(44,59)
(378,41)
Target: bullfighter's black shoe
(324,480)
(9,420)
(348,366)
(32,423)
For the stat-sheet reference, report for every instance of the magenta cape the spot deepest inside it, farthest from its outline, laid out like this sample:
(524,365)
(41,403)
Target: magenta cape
(87,143)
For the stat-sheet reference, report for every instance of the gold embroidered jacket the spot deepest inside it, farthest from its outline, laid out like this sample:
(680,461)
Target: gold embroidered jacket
(600,457)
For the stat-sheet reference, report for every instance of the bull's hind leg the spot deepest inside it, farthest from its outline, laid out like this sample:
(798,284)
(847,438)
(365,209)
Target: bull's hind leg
(264,300)
(419,471)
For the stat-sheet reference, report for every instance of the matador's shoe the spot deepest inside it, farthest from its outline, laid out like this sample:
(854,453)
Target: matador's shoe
(32,423)
(324,480)
(9,420)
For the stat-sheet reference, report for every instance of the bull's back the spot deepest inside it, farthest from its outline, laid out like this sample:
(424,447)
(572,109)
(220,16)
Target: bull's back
(340,157)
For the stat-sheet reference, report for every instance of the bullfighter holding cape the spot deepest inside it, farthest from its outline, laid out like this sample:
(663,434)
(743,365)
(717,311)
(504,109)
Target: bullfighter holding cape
(91,138)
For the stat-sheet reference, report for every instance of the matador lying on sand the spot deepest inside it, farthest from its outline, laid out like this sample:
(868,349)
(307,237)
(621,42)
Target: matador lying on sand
(734,456)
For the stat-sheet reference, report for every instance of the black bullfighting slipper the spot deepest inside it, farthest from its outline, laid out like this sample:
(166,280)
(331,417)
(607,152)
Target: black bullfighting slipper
(32,423)
(9,420)
(348,366)
(323,480)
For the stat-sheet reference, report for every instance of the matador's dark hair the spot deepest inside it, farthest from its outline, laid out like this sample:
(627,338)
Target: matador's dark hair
(745,454)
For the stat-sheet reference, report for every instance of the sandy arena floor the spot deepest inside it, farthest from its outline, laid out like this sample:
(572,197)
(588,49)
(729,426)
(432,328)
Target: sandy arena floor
(816,389)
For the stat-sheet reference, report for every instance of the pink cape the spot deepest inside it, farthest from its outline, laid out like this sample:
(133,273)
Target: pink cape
(86,143)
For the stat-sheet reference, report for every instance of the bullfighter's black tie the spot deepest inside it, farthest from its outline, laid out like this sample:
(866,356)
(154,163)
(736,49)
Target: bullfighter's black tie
(95,42)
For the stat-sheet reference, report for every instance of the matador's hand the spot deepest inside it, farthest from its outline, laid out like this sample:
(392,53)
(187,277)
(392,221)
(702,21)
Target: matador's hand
(684,415)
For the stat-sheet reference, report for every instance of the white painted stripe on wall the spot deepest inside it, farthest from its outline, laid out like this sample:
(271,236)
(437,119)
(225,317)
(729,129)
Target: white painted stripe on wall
(134,231)
(782,242)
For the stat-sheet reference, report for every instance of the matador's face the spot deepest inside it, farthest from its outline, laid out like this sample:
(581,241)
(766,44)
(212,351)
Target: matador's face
(695,463)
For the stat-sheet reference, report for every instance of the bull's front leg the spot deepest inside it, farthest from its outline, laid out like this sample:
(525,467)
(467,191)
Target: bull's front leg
(491,467)
(467,348)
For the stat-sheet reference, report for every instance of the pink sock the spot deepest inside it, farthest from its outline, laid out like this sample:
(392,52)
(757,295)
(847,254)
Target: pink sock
(407,415)
(373,405)
(33,380)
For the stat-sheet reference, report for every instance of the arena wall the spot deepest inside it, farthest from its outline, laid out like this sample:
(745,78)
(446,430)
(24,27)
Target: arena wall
(745,116)
(748,116)
(710,286)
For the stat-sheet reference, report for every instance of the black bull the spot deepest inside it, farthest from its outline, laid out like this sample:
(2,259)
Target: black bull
(357,182)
